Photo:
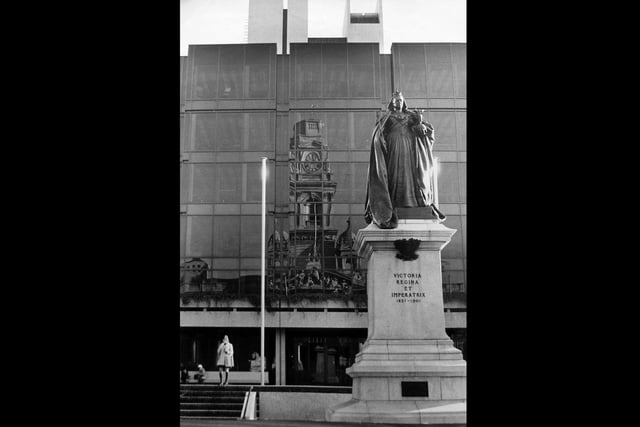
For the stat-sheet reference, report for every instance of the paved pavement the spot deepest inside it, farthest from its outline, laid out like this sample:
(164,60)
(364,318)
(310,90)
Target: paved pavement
(185,422)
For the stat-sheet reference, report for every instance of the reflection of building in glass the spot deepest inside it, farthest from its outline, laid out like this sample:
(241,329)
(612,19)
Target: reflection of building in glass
(311,112)
(194,274)
(311,191)
(346,259)
(311,257)
(310,185)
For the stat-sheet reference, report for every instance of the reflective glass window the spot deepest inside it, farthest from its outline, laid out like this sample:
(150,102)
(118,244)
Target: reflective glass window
(251,232)
(261,127)
(206,72)
(226,236)
(439,71)
(361,71)
(360,175)
(258,67)
(409,63)
(334,71)
(183,78)
(462,173)
(200,236)
(337,130)
(228,183)
(363,124)
(183,235)
(229,131)
(444,125)
(461,129)
(182,138)
(204,183)
(185,177)
(459,60)
(343,176)
(308,71)
(231,72)
(205,134)
(448,187)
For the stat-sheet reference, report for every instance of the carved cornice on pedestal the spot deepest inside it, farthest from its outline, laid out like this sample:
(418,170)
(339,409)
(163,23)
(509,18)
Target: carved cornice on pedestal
(432,234)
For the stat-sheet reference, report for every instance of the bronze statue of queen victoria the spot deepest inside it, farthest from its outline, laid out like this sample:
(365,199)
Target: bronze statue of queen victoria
(401,165)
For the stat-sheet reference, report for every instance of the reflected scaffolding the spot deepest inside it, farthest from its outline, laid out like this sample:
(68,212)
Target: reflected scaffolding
(308,253)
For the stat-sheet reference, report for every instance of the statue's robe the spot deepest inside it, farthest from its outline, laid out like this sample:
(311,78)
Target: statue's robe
(400,167)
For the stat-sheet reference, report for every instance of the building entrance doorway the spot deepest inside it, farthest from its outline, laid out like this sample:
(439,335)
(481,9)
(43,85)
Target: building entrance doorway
(200,345)
(322,357)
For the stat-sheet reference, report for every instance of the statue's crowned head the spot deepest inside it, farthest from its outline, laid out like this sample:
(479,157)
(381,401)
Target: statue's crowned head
(397,101)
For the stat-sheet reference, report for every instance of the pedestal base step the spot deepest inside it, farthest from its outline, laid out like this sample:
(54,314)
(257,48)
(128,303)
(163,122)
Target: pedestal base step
(399,412)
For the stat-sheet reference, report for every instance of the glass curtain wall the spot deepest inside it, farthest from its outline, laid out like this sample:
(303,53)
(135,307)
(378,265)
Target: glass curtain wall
(328,96)
(228,128)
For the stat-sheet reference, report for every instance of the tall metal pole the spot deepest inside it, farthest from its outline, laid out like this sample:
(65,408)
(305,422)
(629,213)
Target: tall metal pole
(262,272)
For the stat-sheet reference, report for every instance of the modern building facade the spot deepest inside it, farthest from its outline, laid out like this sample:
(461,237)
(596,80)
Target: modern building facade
(310,111)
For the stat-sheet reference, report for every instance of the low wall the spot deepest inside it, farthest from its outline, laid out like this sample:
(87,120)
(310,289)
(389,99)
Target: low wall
(298,406)
(235,377)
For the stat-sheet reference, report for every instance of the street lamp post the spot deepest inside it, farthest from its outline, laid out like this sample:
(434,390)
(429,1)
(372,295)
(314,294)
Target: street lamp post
(262,272)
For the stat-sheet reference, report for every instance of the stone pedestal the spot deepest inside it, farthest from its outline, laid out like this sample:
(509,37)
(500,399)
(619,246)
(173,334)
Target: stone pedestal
(408,370)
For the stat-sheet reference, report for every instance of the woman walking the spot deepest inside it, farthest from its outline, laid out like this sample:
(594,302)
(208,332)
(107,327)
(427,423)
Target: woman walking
(225,359)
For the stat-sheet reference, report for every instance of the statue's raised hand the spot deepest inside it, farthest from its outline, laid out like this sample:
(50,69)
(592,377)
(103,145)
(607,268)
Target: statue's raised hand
(428,130)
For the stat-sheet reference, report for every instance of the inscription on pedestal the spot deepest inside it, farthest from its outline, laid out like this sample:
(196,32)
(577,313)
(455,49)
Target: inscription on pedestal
(406,288)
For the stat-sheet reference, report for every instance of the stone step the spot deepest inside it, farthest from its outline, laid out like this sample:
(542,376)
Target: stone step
(197,393)
(207,399)
(214,387)
(196,417)
(209,413)
(229,405)
(218,404)
(226,406)
(199,397)
(213,402)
